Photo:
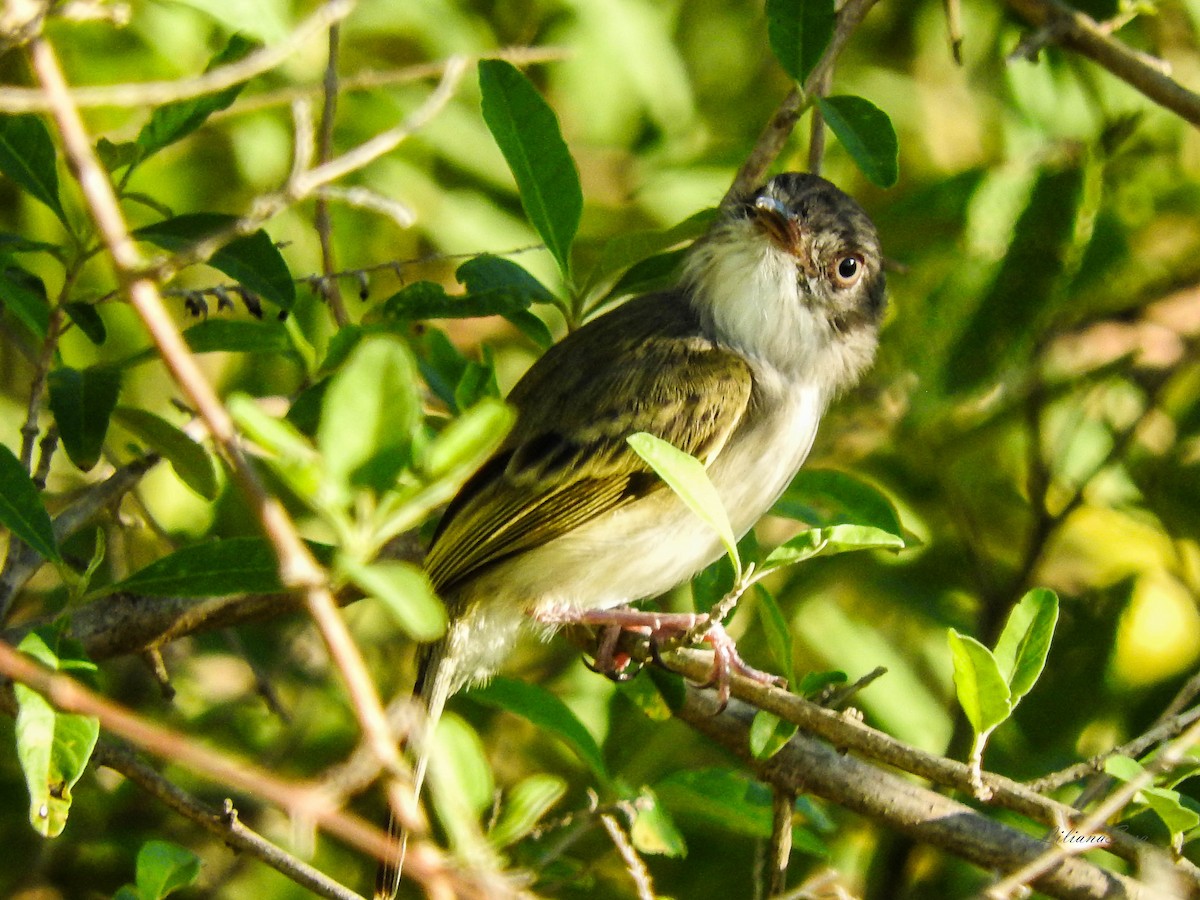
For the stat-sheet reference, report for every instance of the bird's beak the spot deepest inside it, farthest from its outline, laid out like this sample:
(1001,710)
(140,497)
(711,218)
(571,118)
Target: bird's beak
(784,229)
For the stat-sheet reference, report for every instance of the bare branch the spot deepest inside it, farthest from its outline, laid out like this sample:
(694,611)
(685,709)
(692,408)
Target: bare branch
(155,93)
(1079,32)
(329,286)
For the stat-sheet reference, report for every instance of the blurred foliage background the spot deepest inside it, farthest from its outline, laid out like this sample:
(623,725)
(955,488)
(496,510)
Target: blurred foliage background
(1033,415)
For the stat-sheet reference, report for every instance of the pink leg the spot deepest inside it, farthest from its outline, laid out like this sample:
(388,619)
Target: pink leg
(659,627)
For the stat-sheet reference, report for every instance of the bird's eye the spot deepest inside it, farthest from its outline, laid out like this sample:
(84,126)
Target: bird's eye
(848,270)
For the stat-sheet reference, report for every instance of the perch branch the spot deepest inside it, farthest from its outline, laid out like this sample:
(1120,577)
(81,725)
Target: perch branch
(1080,32)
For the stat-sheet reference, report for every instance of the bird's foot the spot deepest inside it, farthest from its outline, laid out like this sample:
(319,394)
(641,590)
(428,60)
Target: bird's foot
(659,630)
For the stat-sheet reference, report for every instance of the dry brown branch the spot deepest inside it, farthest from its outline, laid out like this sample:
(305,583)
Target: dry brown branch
(1079,32)
(298,570)
(809,764)
(154,93)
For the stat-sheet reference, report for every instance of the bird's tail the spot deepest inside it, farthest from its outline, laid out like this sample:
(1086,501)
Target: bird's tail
(435,683)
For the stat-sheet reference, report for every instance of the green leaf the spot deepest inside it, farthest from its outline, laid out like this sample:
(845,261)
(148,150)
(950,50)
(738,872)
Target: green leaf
(730,800)
(1123,768)
(815,682)
(117,156)
(651,274)
(27,157)
(21,509)
(526,130)
(769,734)
(370,412)
(685,475)
(253,261)
(293,457)
(822,497)
(829,541)
(461,780)
(24,295)
(217,335)
(867,134)
(546,711)
(1026,287)
(174,121)
(191,462)
(82,401)
(487,274)
(1168,805)
(982,691)
(1024,644)
(163,868)
(245,565)
(799,31)
(87,319)
(469,440)
(52,747)
(652,830)
(524,806)
(19,243)
(779,635)
(406,592)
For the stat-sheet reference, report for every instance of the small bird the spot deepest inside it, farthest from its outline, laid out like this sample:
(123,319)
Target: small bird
(777,311)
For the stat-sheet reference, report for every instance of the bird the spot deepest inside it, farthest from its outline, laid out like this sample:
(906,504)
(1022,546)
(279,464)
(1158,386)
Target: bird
(777,311)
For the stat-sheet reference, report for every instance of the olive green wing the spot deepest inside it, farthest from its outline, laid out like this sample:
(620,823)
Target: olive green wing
(567,460)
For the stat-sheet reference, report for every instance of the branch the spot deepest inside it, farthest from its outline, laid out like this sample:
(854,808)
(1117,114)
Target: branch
(1081,33)
(155,93)
(303,801)
(809,764)
(850,734)
(772,139)
(225,824)
(298,570)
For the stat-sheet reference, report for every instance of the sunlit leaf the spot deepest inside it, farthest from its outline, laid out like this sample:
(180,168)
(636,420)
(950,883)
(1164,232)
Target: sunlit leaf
(686,476)
(982,691)
(830,541)
(232,336)
(822,497)
(1024,644)
(526,130)
(53,747)
(524,806)
(406,592)
(769,734)
(653,830)
(370,411)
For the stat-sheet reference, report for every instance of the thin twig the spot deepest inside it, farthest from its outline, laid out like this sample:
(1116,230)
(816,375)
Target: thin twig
(1164,731)
(329,286)
(298,570)
(305,801)
(305,183)
(806,763)
(224,824)
(1081,33)
(779,854)
(774,136)
(633,863)
(1172,755)
(154,93)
